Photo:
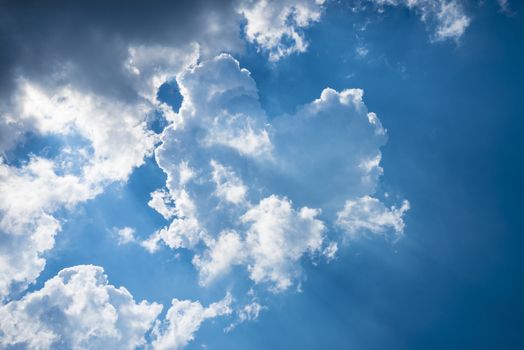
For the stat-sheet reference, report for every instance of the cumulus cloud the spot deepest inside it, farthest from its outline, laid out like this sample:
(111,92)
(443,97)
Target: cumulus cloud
(162,203)
(368,215)
(266,204)
(111,139)
(77,309)
(278,237)
(125,235)
(228,186)
(101,102)
(27,229)
(277,26)
(99,139)
(116,132)
(223,253)
(241,190)
(183,319)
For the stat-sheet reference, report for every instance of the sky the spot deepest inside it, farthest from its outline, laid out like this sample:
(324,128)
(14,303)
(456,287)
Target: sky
(295,174)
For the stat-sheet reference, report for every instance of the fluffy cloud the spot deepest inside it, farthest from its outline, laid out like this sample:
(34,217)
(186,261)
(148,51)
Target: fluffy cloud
(369,215)
(262,204)
(228,186)
(97,109)
(99,140)
(329,150)
(241,191)
(278,237)
(77,309)
(125,235)
(183,319)
(27,230)
(276,26)
(107,149)
(223,253)
(116,132)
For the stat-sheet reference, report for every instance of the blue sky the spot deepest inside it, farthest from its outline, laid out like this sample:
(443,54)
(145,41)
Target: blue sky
(427,240)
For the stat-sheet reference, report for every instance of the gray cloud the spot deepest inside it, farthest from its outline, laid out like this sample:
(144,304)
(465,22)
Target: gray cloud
(90,39)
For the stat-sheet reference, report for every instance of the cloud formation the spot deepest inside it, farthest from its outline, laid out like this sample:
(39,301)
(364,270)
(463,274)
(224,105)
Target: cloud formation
(277,26)
(263,194)
(27,229)
(369,215)
(105,149)
(98,140)
(242,190)
(183,319)
(77,309)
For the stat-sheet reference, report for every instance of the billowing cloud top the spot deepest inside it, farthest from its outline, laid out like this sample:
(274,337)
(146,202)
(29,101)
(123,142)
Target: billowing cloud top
(243,191)
(77,309)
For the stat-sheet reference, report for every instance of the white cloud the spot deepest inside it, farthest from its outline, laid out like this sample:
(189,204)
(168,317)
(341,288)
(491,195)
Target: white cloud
(276,26)
(162,203)
(250,312)
(330,251)
(220,113)
(452,22)
(233,207)
(277,239)
(247,313)
(183,319)
(220,149)
(366,215)
(27,229)
(116,141)
(151,66)
(104,139)
(329,150)
(226,251)
(77,309)
(125,235)
(117,134)
(185,231)
(227,109)
(228,186)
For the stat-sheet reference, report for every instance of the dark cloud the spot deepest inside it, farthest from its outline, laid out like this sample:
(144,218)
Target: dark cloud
(90,39)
